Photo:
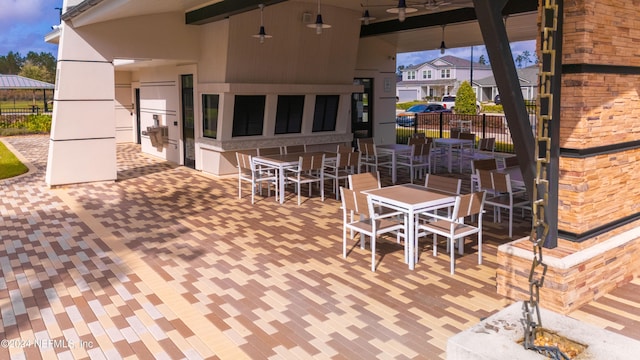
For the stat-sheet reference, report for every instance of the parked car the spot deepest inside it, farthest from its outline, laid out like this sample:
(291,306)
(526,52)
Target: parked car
(449,102)
(408,118)
(496,100)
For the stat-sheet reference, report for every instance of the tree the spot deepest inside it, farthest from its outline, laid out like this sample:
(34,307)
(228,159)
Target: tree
(11,63)
(36,72)
(400,68)
(46,61)
(465,99)
(482,60)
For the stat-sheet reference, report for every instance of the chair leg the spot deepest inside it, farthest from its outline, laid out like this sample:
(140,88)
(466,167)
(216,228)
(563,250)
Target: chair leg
(373,252)
(453,254)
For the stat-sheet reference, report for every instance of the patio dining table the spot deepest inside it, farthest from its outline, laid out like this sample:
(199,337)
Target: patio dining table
(394,150)
(450,144)
(411,200)
(281,162)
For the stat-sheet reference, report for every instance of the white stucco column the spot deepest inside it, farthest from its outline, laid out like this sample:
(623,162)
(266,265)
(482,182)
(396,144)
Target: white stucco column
(82,147)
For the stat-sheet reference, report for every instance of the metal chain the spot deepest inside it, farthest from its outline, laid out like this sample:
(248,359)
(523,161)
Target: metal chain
(540,228)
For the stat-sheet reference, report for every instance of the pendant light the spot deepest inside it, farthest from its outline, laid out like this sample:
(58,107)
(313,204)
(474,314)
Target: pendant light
(261,33)
(366,18)
(402,10)
(319,25)
(442,46)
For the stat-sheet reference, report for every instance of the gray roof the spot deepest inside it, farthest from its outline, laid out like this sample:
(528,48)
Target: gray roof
(453,61)
(527,76)
(12,82)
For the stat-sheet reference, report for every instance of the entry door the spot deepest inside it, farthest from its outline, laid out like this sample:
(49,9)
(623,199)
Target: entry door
(188,122)
(361,110)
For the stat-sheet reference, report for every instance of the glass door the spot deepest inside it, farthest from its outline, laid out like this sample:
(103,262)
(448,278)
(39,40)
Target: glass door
(188,121)
(361,110)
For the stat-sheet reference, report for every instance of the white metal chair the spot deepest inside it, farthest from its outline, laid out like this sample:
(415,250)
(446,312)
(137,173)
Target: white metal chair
(418,159)
(359,216)
(501,195)
(247,171)
(484,151)
(481,164)
(347,163)
(454,227)
(295,149)
(310,170)
(269,151)
(370,159)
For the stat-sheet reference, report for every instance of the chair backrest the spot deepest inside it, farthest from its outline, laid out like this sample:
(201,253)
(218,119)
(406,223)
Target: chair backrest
(361,141)
(454,133)
(293,149)
(349,159)
(418,135)
(365,181)
(487,144)
(501,182)
(422,150)
(469,204)
(342,148)
(310,162)
(484,164)
(467,136)
(270,151)
(511,161)
(353,202)
(485,180)
(368,149)
(416,140)
(443,183)
(245,161)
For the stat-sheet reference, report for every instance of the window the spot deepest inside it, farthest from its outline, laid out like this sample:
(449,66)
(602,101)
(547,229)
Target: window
(326,112)
(248,115)
(445,73)
(210,115)
(411,75)
(426,74)
(429,76)
(289,114)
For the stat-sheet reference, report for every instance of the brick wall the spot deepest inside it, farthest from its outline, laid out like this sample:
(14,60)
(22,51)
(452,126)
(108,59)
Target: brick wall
(599,165)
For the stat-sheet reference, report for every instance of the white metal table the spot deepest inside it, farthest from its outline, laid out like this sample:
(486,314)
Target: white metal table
(411,200)
(393,150)
(450,144)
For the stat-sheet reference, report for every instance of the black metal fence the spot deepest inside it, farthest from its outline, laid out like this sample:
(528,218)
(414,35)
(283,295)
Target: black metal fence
(34,109)
(441,125)
(16,121)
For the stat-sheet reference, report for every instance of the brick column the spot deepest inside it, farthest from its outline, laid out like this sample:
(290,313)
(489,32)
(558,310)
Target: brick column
(599,185)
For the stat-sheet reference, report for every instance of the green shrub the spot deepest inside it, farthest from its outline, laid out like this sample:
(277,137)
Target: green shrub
(465,100)
(492,108)
(39,123)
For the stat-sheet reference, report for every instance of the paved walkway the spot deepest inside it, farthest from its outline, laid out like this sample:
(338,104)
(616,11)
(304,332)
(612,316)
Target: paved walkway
(168,263)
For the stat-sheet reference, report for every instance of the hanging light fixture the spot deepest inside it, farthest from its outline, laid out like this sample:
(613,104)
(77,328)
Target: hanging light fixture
(442,46)
(402,10)
(319,25)
(261,33)
(366,18)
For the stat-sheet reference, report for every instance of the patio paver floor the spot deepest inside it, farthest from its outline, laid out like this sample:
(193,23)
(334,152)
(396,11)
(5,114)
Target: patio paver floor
(167,262)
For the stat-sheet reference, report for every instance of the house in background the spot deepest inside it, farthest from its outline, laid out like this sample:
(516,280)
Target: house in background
(438,77)
(528,78)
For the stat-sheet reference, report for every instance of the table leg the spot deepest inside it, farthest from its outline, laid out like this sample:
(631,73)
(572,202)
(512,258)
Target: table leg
(409,240)
(394,176)
(281,184)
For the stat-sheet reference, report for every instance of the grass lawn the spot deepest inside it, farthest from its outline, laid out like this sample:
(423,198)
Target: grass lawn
(10,166)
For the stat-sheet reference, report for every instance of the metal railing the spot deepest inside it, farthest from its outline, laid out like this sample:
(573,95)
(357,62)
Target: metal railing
(440,125)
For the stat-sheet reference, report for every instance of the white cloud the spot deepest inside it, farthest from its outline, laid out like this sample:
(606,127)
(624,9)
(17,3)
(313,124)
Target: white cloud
(23,10)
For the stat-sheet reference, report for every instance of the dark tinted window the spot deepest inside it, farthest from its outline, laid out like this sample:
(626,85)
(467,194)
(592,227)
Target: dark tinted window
(248,115)
(210,115)
(289,114)
(326,112)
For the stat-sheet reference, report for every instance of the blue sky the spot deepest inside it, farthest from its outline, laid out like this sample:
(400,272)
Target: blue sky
(24,23)
(415,58)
